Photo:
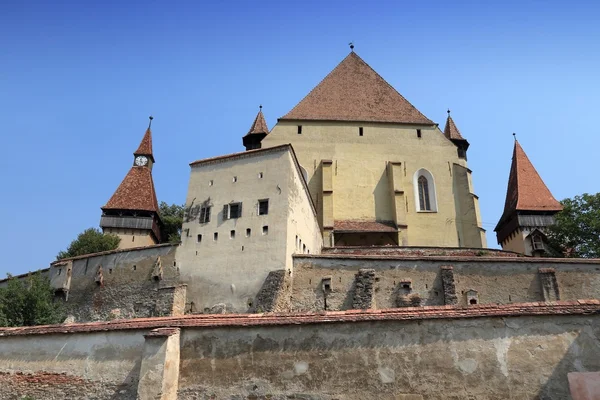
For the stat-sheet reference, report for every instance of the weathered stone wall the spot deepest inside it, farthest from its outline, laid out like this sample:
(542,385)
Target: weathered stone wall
(524,351)
(121,284)
(96,365)
(495,280)
(483,359)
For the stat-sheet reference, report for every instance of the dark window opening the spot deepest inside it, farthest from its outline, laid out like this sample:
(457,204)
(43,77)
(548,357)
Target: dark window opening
(205,214)
(216,236)
(462,153)
(233,210)
(418,133)
(134,267)
(299,129)
(360,131)
(424,203)
(248,232)
(232,234)
(265,230)
(263,207)
(473,301)
(199,238)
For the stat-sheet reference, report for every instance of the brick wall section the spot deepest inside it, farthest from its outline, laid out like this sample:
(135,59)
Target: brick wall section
(447,274)
(53,386)
(363,289)
(549,284)
(577,307)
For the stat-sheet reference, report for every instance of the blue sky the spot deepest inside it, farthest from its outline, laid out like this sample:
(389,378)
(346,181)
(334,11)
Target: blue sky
(78,81)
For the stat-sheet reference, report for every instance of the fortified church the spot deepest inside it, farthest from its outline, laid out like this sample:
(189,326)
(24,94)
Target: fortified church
(341,255)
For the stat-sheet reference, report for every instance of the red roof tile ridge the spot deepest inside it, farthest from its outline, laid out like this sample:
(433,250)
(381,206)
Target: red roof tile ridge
(103,253)
(240,154)
(349,108)
(577,307)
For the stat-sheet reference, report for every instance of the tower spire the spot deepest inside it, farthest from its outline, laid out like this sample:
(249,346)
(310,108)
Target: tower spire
(257,132)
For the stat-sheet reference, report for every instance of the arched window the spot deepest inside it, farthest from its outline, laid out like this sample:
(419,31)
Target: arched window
(424,202)
(424,189)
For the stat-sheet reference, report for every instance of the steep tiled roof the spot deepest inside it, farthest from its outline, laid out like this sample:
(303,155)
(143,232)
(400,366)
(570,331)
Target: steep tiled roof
(145,147)
(136,192)
(363,226)
(451,131)
(353,91)
(526,190)
(259,125)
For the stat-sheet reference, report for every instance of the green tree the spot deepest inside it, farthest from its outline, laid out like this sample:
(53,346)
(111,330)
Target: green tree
(172,219)
(29,301)
(90,241)
(577,229)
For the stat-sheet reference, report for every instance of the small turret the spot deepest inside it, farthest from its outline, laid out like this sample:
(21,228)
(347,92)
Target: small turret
(257,132)
(453,134)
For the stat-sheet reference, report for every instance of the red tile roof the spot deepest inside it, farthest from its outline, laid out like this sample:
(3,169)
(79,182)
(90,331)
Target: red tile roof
(136,192)
(526,190)
(451,131)
(577,307)
(259,125)
(364,226)
(353,91)
(145,148)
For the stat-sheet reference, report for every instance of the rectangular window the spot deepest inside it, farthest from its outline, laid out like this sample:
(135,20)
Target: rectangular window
(418,133)
(360,131)
(248,232)
(199,238)
(299,129)
(232,211)
(216,236)
(205,215)
(263,207)
(232,234)
(265,230)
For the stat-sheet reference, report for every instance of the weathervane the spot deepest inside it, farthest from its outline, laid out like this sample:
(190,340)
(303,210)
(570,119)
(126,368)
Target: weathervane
(515,136)
(150,123)
(448,112)
(351,46)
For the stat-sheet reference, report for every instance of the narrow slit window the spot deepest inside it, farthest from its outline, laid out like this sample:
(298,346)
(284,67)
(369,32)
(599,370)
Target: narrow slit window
(299,129)
(210,183)
(216,236)
(263,207)
(199,238)
(232,234)
(424,201)
(234,179)
(248,232)
(265,230)
(360,131)
(419,133)
(260,175)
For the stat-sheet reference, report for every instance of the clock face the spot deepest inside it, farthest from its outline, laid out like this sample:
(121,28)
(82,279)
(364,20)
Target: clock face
(141,161)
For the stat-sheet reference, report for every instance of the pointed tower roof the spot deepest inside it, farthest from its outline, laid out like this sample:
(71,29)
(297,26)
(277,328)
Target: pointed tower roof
(526,190)
(145,147)
(353,91)
(451,131)
(259,126)
(136,192)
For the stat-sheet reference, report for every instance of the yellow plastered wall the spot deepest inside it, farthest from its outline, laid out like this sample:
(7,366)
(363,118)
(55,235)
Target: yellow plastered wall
(132,237)
(360,185)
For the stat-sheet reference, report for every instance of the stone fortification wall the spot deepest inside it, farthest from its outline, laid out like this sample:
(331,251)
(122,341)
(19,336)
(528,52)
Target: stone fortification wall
(525,351)
(133,283)
(413,281)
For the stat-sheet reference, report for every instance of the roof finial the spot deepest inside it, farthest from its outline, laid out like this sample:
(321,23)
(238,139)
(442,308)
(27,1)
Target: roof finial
(260,107)
(515,136)
(351,46)
(150,123)
(448,112)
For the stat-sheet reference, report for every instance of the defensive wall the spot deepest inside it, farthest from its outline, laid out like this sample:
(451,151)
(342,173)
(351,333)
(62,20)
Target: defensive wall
(517,351)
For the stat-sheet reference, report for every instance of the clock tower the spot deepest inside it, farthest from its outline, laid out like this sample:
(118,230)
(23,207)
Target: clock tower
(132,211)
